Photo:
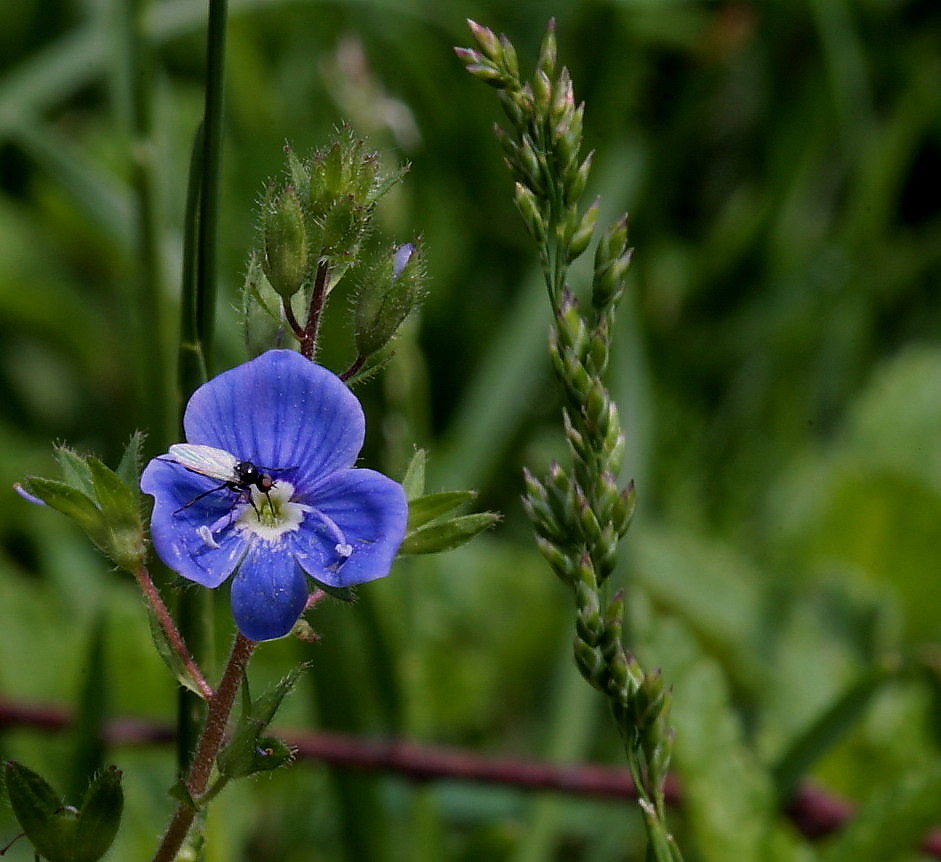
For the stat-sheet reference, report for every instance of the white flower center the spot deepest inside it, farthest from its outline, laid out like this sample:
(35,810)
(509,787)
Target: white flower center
(270,515)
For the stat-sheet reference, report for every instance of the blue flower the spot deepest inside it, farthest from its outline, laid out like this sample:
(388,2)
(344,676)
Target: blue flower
(265,487)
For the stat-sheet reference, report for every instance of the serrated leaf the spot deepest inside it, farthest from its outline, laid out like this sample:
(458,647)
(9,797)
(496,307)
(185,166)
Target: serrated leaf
(447,535)
(245,754)
(74,469)
(414,481)
(118,503)
(100,816)
(424,510)
(129,467)
(48,824)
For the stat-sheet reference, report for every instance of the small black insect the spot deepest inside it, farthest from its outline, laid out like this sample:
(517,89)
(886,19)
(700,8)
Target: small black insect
(225,467)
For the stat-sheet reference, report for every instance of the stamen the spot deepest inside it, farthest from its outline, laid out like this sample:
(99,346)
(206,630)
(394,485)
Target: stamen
(272,513)
(205,533)
(343,548)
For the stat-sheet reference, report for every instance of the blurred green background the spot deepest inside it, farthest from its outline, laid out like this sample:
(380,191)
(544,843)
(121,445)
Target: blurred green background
(777,367)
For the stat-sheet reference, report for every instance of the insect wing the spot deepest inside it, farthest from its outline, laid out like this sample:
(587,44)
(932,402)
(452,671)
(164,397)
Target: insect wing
(205,460)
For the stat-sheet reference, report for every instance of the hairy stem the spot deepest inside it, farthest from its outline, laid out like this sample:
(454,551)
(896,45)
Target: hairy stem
(174,638)
(210,741)
(317,299)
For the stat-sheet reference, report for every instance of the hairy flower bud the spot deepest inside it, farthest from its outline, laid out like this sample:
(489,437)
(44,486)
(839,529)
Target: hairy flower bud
(286,246)
(383,305)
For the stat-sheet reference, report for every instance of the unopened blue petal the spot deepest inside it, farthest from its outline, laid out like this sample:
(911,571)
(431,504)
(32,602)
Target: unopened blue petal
(281,412)
(371,513)
(179,534)
(269,592)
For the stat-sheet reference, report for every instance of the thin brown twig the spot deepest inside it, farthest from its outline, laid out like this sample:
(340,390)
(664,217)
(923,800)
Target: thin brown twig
(814,811)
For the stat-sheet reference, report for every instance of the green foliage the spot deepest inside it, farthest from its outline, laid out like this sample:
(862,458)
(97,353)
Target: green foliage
(429,531)
(62,833)
(316,230)
(248,752)
(104,503)
(774,363)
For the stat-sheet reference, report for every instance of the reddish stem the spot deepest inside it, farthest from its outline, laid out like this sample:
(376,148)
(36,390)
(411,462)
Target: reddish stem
(317,299)
(174,638)
(296,329)
(220,705)
(357,364)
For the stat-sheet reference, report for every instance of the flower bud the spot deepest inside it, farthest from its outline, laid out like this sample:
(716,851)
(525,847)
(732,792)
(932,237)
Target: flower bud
(286,246)
(612,258)
(583,231)
(384,303)
(528,208)
(342,225)
(486,40)
(548,50)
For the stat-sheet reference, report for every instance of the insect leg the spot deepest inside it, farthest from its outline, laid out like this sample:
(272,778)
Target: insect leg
(199,497)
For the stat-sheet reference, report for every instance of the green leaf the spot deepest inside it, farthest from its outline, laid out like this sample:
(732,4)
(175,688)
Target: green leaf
(891,823)
(48,825)
(247,752)
(100,816)
(423,510)
(827,729)
(75,471)
(265,707)
(729,800)
(414,481)
(121,509)
(180,792)
(70,502)
(448,535)
(170,656)
(118,503)
(90,714)
(103,504)
(58,832)
(129,468)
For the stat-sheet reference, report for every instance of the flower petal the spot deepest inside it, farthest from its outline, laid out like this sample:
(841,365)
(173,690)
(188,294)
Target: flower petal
(179,527)
(370,511)
(269,592)
(281,412)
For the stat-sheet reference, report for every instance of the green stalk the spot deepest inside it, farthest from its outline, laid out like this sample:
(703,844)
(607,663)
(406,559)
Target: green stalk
(153,396)
(211,162)
(198,307)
